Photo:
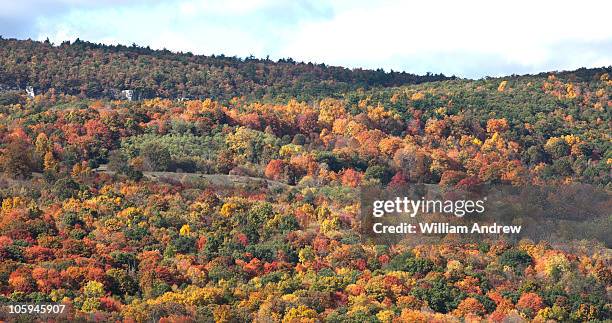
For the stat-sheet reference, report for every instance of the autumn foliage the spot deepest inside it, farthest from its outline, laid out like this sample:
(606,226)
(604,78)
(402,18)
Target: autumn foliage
(245,207)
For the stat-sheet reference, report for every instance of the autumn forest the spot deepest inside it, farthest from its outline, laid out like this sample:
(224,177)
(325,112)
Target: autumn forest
(141,185)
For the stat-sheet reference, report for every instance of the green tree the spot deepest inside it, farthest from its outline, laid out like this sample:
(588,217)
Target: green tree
(156,157)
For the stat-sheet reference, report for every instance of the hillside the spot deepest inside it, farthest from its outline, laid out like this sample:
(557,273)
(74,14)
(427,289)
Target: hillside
(97,71)
(244,204)
(547,127)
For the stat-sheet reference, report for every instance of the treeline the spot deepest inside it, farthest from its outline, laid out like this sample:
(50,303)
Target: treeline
(102,71)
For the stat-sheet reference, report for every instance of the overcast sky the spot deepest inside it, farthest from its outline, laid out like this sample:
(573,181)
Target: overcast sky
(465,38)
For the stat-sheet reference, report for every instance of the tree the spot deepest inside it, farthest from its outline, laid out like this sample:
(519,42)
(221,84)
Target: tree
(351,177)
(515,259)
(469,305)
(49,162)
(535,155)
(413,162)
(65,188)
(118,162)
(21,280)
(330,110)
(440,296)
(382,173)
(185,230)
(92,291)
(43,144)
(398,180)
(248,145)
(300,314)
(557,147)
(156,157)
(17,160)
(497,125)
(530,303)
(275,169)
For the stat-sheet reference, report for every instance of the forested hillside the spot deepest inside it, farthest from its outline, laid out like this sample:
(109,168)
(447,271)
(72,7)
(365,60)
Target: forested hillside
(244,206)
(552,127)
(96,71)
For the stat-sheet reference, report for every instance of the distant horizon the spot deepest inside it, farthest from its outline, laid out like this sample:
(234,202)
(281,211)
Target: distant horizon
(469,40)
(278,60)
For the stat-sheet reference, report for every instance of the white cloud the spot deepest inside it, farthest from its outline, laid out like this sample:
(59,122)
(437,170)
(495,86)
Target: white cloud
(523,33)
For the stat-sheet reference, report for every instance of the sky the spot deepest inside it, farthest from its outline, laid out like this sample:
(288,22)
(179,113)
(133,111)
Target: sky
(473,39)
